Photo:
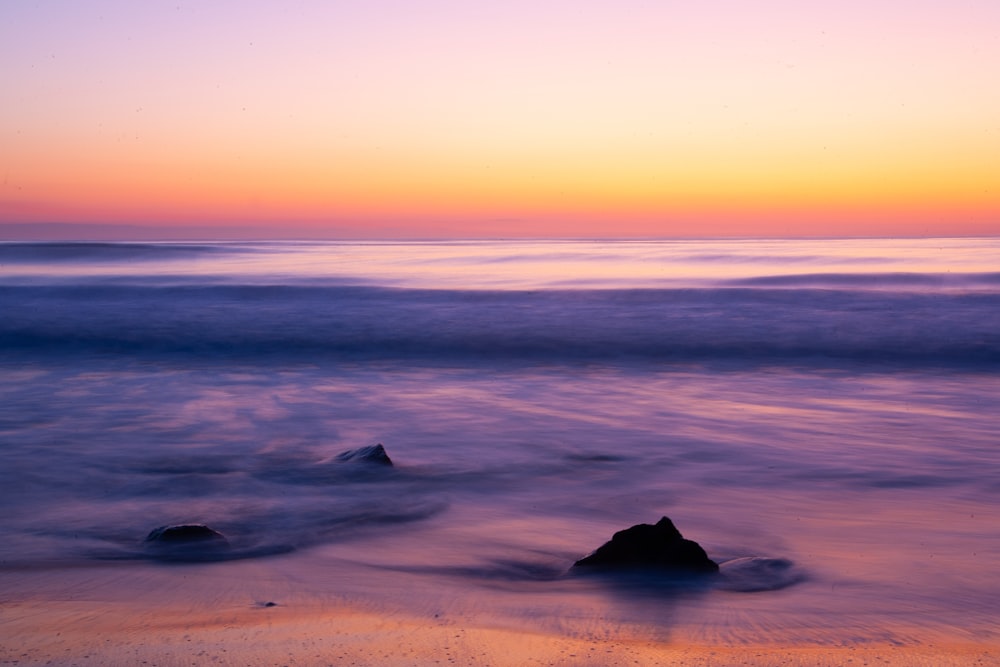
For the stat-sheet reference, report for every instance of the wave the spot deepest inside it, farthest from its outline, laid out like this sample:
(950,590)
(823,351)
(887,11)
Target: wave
(894,281)
(72,252)
(751,325)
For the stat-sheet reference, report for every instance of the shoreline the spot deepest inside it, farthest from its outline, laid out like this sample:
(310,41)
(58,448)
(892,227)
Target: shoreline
(87,632)
(340,604)
(281,611)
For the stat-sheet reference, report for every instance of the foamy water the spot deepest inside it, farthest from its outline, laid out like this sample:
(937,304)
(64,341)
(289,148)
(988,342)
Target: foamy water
(828,402)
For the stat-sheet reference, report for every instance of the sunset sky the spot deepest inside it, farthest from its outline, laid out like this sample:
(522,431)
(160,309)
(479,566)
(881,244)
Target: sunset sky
(424,119)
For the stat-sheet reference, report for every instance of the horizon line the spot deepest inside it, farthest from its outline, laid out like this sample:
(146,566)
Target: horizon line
(13,232)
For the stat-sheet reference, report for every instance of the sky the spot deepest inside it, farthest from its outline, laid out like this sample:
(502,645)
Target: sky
(552,118)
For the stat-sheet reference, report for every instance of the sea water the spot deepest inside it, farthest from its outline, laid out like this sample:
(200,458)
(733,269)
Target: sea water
(833,403)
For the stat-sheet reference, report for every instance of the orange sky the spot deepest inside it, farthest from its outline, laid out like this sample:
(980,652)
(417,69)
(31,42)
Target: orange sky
(554,118)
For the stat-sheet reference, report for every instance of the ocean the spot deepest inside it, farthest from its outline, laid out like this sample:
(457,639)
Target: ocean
(832,403)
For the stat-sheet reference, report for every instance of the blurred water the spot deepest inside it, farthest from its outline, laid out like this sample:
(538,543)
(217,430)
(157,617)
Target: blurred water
(848,426)
(966,263)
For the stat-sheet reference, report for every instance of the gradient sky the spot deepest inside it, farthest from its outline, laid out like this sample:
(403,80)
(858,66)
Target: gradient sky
(391,118)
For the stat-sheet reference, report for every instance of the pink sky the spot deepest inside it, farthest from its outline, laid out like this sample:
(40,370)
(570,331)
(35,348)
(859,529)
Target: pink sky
(546,118)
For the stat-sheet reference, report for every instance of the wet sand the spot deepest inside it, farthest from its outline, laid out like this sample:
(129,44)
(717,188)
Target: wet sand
(82,633)
(147,614)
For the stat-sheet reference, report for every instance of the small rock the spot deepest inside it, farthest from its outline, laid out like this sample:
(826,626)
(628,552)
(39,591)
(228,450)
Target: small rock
(659,546)
(186,542)
(185,534)
(756,573)
(371,454)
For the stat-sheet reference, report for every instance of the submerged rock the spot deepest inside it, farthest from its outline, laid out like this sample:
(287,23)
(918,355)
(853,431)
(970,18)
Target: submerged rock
(186,542)
(185,534)
(371,454)
(757,573)
(659,546)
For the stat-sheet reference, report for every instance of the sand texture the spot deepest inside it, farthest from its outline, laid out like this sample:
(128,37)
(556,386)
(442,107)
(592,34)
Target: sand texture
(270,613)
(81,633)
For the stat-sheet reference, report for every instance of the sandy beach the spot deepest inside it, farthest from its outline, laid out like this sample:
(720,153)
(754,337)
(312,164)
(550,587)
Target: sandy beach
(147,614)
(84,633)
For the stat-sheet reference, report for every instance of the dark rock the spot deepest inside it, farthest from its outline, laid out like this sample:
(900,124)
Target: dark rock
(186,542)
(185,534)
(371,454)
(659,546)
